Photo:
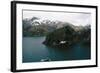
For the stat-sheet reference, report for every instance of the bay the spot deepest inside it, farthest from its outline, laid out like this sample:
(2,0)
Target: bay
(33,50)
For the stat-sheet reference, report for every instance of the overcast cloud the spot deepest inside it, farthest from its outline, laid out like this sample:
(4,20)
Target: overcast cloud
(74,18)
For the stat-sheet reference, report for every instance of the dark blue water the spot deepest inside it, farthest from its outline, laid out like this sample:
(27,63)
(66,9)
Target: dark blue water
(34,51)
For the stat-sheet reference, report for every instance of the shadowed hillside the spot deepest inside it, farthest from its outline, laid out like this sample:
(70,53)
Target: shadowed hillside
(66,36)
(58,34)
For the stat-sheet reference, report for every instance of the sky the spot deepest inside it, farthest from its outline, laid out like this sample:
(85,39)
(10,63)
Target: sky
(71,17)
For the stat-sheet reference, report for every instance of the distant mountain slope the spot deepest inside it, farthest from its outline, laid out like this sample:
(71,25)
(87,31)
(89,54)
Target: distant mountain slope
(57,33)
(38,27)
